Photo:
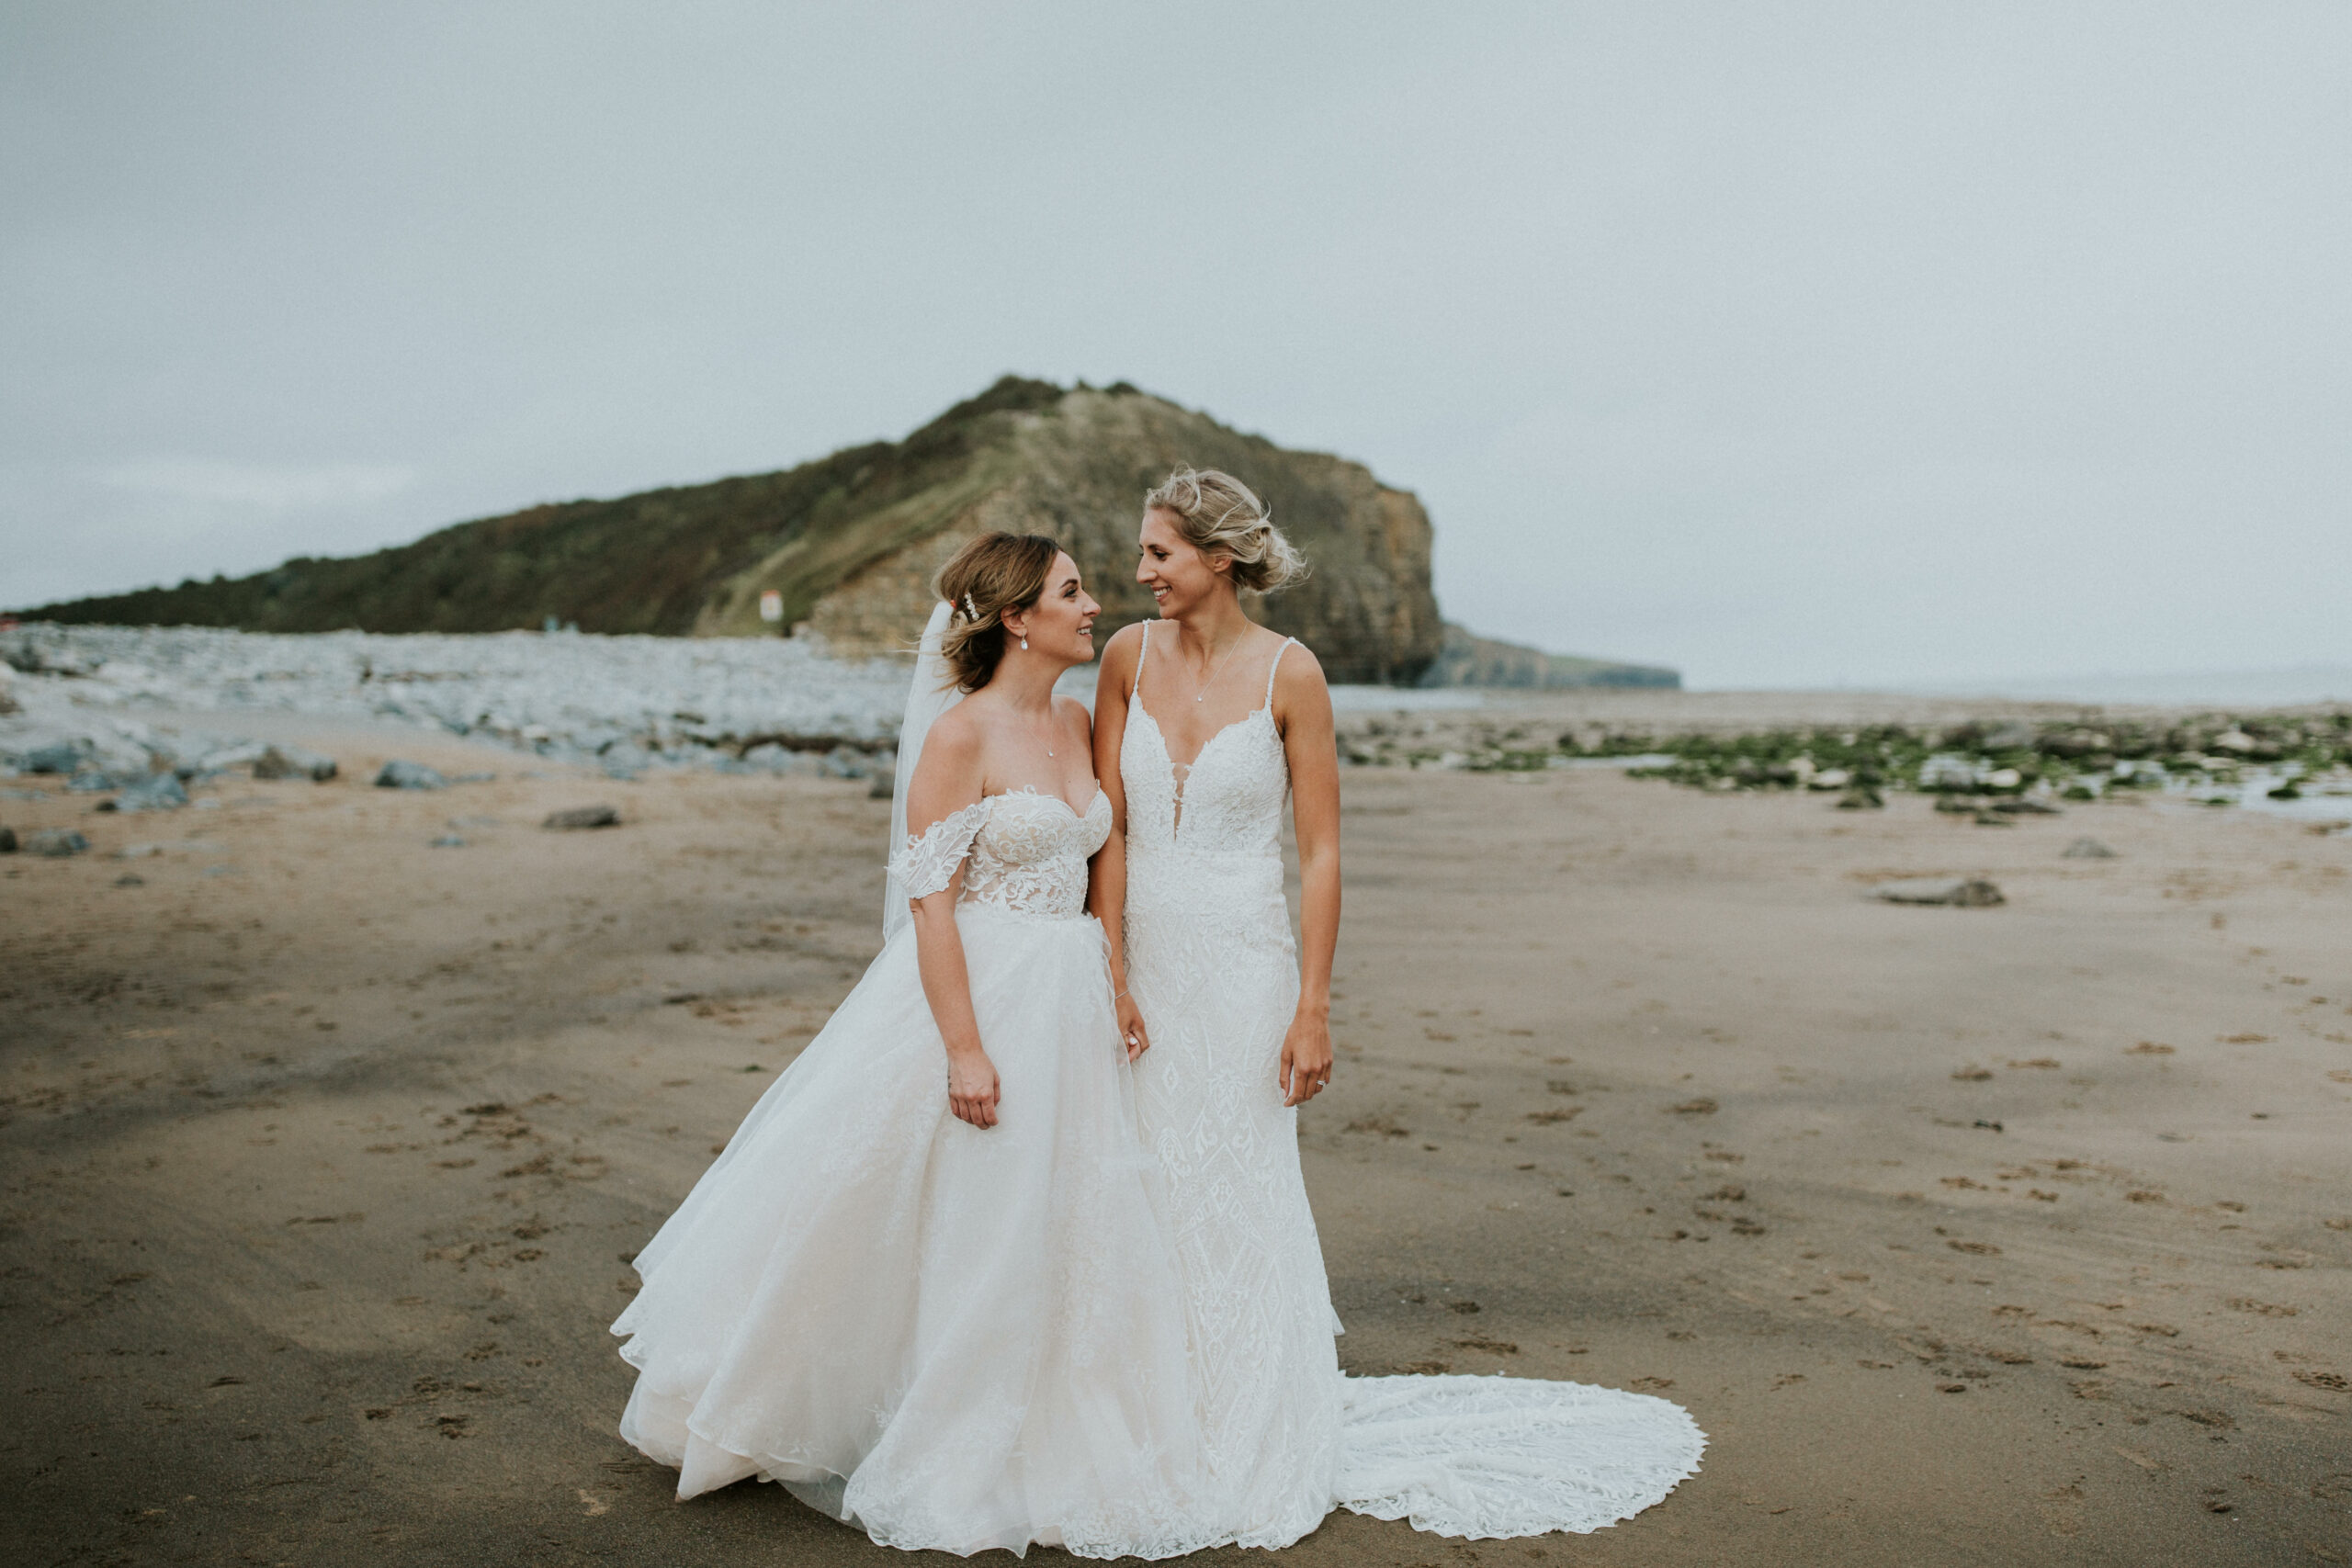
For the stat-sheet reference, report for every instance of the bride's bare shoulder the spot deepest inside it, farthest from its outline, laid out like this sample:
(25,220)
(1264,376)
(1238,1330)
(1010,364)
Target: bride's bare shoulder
(1300,694)
(1119,653)
(956,737)
(1299,672)
(1071,715)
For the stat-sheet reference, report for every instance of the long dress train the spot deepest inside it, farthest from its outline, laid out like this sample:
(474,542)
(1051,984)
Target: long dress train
(956,1339)
(1212,965)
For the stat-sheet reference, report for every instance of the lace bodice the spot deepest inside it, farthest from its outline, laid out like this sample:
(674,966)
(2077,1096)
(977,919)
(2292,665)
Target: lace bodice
(1230,800)
(1028,851)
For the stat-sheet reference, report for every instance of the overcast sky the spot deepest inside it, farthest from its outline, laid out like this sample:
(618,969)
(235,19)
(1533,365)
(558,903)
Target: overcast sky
(1878,343)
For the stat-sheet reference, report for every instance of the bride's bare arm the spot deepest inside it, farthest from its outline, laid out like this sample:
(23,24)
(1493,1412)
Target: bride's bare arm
(1302,707)
(947,780)
(1106,894)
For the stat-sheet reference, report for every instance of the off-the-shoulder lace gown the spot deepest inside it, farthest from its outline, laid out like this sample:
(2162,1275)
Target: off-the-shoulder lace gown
(957,1338)
(1212,964)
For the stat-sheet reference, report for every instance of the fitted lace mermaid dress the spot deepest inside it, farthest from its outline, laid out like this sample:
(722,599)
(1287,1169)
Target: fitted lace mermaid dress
(954,1337)
(1213,966)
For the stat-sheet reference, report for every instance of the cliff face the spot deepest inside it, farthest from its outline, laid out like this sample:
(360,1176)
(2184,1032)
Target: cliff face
(1077,472)
(851,542)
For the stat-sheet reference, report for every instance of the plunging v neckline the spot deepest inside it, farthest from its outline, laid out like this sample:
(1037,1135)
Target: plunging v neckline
(1186,768)
(1181,773)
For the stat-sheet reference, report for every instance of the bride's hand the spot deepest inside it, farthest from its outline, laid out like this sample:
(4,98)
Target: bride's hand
(972,1087)
(1306,1059)
(1132,1034)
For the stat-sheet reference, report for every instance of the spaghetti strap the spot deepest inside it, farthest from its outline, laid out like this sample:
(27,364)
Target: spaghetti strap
(1277,665)
(1141,654)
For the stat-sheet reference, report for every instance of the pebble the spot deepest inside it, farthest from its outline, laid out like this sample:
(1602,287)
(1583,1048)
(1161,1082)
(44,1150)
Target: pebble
(55,842)
(2087,849)
(1973,893)
(584,817)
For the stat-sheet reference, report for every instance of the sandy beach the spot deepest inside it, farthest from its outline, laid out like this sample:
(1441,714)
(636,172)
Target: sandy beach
(2006,1235)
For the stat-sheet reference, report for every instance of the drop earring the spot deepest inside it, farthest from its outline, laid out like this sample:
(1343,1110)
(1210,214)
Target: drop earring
(1025,644)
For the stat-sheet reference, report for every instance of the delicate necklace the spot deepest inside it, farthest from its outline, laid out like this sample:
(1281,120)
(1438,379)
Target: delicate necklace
(1216,667)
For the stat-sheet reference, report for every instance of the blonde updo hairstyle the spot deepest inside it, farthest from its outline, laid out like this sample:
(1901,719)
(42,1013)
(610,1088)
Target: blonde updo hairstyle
(1219,515)
(994,573)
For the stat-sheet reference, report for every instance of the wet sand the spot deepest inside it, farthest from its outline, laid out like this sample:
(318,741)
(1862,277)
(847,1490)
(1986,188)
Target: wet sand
(2008,1235)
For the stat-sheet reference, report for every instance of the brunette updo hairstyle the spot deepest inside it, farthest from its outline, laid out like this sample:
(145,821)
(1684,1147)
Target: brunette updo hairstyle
(1219,515)
(994,573)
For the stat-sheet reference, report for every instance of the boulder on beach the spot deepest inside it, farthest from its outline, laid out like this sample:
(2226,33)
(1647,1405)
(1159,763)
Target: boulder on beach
(2013,736)
(399,774)
(1969,893)
(55,842)
(8,840)
(584,817)
(156,792)
(1861,797)
(2087,849)
(56,756)
(286,762)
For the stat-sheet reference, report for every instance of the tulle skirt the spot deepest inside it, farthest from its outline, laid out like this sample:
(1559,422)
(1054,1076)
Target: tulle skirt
(956,1339)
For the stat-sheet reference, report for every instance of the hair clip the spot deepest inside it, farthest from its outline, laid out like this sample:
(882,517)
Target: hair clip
(969,613)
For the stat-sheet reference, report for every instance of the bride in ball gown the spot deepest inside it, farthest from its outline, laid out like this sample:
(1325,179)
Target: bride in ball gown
(927,1285)
(1205,723)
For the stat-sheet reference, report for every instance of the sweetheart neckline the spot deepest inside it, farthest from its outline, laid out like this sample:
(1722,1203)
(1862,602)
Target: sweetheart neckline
(1034,791)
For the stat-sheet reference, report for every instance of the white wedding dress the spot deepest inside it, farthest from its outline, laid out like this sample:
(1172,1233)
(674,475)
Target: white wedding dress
(954,1337)
(1212,964)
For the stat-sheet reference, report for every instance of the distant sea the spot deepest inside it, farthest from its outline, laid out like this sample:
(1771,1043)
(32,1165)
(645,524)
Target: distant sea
(2223,688)
(2307,684)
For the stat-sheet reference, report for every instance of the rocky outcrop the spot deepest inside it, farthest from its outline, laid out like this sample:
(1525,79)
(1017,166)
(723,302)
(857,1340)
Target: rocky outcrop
(1076,469)
(848,542)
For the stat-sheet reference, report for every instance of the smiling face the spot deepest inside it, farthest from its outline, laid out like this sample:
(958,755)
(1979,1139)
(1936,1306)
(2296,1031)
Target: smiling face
(1060,625)
(1178,573)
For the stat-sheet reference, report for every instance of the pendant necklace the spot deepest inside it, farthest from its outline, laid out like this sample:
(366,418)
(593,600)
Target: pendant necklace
(1216,666)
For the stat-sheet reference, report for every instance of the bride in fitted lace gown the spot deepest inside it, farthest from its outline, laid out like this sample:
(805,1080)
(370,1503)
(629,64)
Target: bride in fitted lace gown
(1210,991)
(927,1285)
